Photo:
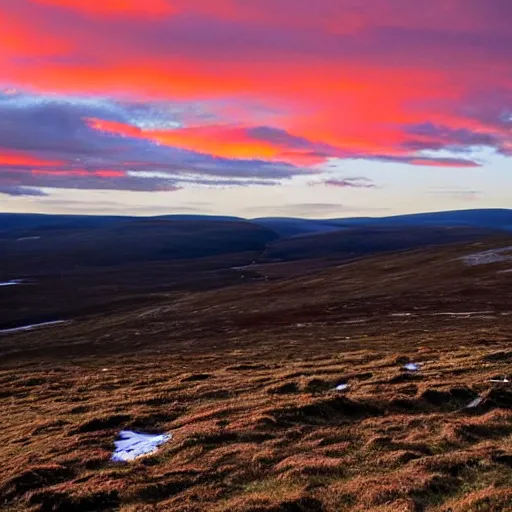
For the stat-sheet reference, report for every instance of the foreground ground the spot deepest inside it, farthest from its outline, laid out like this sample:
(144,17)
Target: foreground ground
(242,377)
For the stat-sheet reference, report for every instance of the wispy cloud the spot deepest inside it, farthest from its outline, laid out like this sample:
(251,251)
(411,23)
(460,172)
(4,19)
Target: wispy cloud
(310,210)
(346,182)
(456,193)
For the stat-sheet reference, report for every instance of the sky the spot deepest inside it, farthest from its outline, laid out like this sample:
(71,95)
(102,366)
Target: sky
(331,108)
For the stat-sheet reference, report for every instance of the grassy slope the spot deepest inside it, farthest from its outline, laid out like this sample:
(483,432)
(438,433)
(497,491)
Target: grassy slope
(242,376)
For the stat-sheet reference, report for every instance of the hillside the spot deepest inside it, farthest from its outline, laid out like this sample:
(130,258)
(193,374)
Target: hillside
(28,225)
(358,242)
(69,271)
(135,240)
(243,378)
(494,219)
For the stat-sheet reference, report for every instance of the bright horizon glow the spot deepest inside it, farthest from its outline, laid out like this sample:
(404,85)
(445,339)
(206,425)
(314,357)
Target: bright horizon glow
(256,107)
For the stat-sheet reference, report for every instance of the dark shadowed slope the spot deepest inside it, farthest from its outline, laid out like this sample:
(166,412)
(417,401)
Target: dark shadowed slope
(289,227)
(131,241)
(364,241)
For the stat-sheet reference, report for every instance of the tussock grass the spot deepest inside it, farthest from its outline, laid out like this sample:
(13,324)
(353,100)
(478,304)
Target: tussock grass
(256,423)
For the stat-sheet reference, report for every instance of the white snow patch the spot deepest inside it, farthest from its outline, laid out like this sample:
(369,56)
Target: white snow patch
(491,256)
(412,367)
(132,445)
(464,313)
(475,403)
(31,327)
(342,387)
(24,239)
(13,282)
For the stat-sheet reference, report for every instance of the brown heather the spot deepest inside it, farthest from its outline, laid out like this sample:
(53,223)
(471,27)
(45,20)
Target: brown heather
(243,378)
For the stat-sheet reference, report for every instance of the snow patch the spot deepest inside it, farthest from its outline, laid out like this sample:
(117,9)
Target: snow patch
(412,367)
(464,313)
(31,327)
(475,403)
(491,256)
(132,445)
(13,282)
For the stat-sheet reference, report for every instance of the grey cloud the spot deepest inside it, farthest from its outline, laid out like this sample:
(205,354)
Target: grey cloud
(347,183)
(15,190)
(424,160)
(115,208)
(55,129)
(309,209)
(456,193)
(438,137)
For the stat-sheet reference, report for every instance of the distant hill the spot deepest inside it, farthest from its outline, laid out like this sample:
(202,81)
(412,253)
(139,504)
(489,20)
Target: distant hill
(33,244)
(488,218)
(222,218)
(26,224)
(16,225)
(499,219)
(362,241)
(21,224)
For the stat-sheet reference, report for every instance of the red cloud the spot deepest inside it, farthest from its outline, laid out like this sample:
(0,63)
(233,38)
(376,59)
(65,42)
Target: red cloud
(22,159)
(221,141)
(347,78)
(113,7)
(23,38)
(114,127)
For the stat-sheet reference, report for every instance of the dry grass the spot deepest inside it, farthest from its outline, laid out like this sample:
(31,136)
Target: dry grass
(243,378)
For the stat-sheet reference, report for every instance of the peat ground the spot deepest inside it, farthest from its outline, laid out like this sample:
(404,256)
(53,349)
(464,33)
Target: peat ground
(242,374)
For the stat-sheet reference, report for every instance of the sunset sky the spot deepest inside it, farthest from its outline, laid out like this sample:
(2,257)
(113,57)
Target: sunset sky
(325,108)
